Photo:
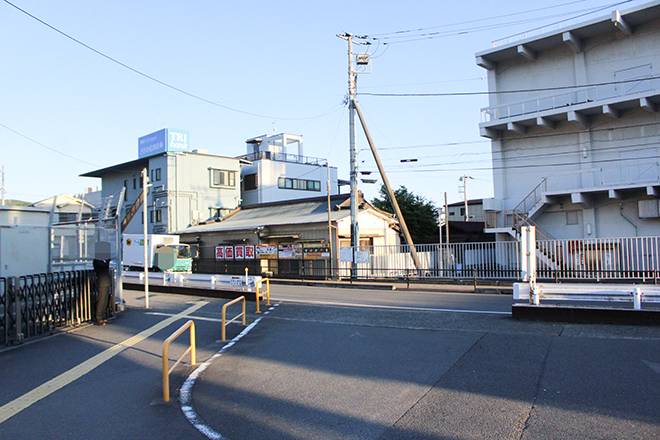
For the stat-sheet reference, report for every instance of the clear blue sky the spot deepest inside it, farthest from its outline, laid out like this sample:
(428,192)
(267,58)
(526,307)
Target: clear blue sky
(279,60)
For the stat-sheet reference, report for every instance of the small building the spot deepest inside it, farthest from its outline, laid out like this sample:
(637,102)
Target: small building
(475,210)
(24,240)
(279,171)
(187,186)
(289,238)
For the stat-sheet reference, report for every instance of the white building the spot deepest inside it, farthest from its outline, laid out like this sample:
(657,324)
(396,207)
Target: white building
(187,186)
(281,172)
(573,118)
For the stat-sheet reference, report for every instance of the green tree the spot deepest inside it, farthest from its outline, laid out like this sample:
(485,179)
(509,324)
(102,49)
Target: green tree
(420,215)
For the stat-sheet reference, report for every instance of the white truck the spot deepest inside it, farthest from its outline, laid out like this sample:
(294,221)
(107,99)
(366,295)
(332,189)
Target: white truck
(133,251)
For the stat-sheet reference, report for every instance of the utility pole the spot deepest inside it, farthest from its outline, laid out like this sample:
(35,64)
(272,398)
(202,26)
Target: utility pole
(3,185)
(464,179)
(145,219)
(352,79)
(446,220)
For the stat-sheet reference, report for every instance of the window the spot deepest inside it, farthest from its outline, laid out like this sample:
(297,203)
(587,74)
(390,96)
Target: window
(134,183)
(159,215)
(572,218)
(223,178)
(155,175)
(300,184)
(249,182)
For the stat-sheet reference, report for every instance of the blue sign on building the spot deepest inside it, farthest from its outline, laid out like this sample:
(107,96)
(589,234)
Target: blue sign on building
(163,140)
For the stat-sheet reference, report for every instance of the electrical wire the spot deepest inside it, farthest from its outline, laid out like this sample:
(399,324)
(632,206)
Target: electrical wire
(477,20)
(151,78)
(47,147)
(508,92)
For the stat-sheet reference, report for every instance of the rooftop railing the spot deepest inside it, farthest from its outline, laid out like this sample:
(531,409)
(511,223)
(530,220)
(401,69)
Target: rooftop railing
(284,157)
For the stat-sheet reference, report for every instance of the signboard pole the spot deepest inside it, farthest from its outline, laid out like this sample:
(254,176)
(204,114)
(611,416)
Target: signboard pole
(146,253)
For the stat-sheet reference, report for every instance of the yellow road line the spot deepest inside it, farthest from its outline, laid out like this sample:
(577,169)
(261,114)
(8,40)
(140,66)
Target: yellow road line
(17,405)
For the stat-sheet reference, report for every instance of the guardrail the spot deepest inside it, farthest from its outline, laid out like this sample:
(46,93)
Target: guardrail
(224,313)
(259,294)
(635,293)
(166,349)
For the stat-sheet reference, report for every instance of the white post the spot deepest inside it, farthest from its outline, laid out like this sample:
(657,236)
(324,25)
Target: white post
(637,298)
(528,261)
(145,179)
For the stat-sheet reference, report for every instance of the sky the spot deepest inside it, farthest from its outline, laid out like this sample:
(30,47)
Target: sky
(81,81)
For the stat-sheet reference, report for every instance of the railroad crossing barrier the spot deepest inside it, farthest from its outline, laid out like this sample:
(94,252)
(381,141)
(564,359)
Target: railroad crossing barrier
(196,280)
(635,293)
(166,357)
(224,313)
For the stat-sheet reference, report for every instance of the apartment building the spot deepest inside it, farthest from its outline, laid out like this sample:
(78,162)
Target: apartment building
(575,130)
(279,171)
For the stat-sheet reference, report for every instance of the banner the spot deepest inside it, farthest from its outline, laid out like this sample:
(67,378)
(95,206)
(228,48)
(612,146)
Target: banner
(249,252)
(219,253)
(239,252)
(267,252)
(316,251)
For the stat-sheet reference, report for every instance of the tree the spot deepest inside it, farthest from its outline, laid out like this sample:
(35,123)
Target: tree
(420,215)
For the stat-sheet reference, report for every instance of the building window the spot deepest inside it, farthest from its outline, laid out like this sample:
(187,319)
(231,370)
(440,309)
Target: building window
(300,184)
(134,183)
(159,215)
(249,182)
(223,178)
(572,218)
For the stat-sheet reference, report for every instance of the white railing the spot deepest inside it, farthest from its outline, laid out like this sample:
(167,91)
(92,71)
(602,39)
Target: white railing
(240,283)
(461,260)
(600,258)
(631,258)
(562,100)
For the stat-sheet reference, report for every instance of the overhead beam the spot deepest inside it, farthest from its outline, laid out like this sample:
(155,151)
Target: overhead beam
(615,194)
(489,133)
(621,24)
(518,128)
(485,63)
(581,199)
(573,41)
(611,111)
(526,52)
(578,119)
(545,122)
(648,105)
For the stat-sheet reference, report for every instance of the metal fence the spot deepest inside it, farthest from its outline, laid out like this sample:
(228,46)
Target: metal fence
(34,305)
(600,259)
(494,260)
(630,258)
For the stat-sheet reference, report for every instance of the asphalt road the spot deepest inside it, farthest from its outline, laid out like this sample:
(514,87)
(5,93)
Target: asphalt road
(418,365)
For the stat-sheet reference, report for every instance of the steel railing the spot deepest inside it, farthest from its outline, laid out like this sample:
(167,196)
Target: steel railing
(259,294)
(166,356)
(224,314)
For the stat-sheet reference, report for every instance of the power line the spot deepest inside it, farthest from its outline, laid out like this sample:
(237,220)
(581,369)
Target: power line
(406,38)
(476,21)
(151,78)
(508,92)
(46,146)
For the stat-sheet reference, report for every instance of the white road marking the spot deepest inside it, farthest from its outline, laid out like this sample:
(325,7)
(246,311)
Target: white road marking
(185,394)
(375,306)
(19,404)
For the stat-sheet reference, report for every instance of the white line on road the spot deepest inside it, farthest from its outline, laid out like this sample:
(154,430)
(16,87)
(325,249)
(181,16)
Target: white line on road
(185,394)
(19,404)
(375,306)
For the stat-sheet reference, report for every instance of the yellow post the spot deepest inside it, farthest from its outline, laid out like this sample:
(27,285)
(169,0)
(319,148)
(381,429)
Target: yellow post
(224,314)
(166,357)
